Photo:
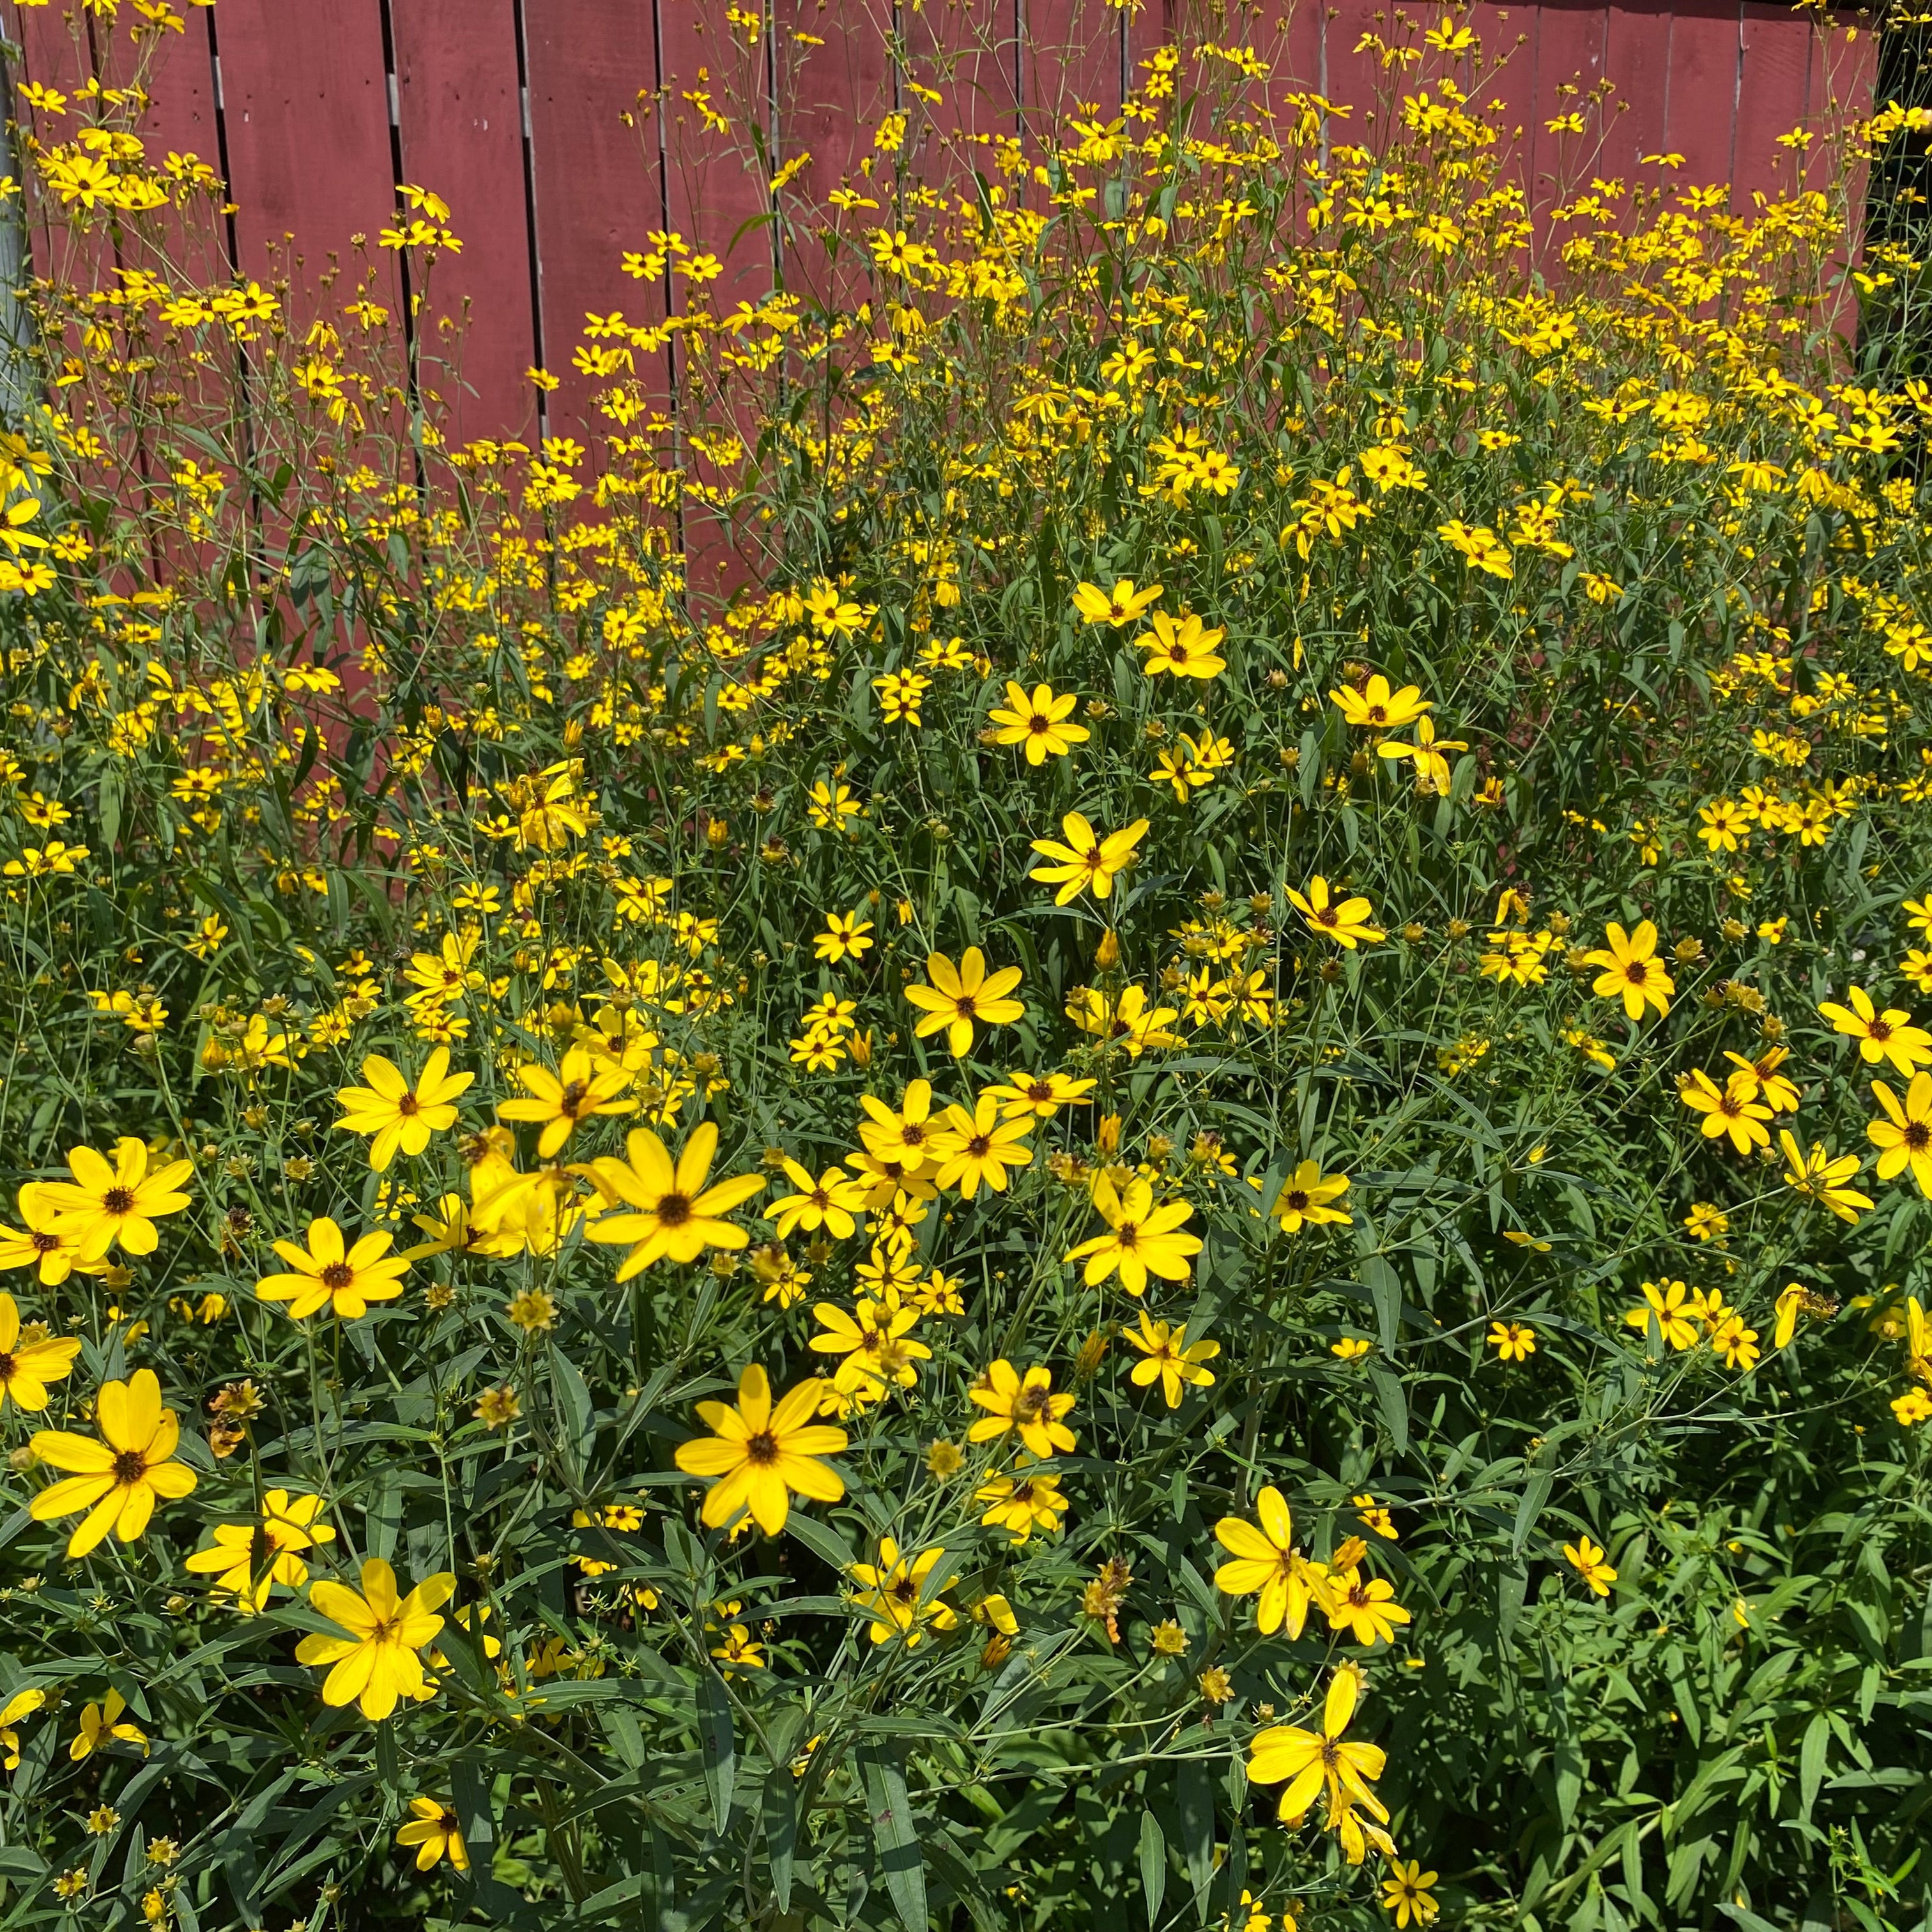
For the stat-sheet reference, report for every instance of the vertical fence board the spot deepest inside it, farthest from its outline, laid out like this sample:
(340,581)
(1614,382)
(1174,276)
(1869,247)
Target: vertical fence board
(1509,35)
(1636,59)
(1069,62)
(304,103)
(461,136)
(599,188)
(1774,81)
(1701,112)
(1571,43)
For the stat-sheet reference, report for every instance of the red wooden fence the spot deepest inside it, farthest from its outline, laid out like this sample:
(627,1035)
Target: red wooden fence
(561,131)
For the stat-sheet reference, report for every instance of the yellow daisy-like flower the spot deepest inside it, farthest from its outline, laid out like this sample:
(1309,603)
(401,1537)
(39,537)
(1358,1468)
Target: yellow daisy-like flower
(1345,921)
(118,1478)
(1265,1560)
(895,1590)
(760,1454)
(328,1274)
(1026,1406)
(397,1116)
(26,1369)
(1040,723)
(964,996)
(436,1833)
(376,1661)
(563,1100)
(1631,970)
(104,1205)
(673,1215)
(247,1559)
(1167,1356)
(1141,1239)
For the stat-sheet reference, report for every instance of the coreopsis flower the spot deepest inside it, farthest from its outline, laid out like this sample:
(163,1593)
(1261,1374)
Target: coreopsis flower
(1307,1199)
(1586,1558)
(1631,970)
(329,1274)
(1375,707)
(1889,1036)
(977,1149)
(1038,1096)
(1265,1559)
(1040,723)
(1087,859)
(1167,1356)
(102,1724)
(376,1661)
(1904,1137)
(563,1100)
(1141,1239)
(26,1368)
(436,1832)
(1118,606)
(22,1704)
(1512,1341)
(1311,1763)
(1730,1110)
(1182,648)
(46,1244)
(1671,1305)
(830,1202)
(396,1115)
(1736,1343)
(118,1479)
(964,996)
(1821,1177)
(1022,1405)
(1131,1023)
(760,1455)
(1428,754)
(247,1559)
(904,1136)
(1020,1504)
(895,1590)
(1365,1607)
(675,1215)
(105,1204)
(1345,921)
(1405,1893)
(1774,1089)
(846,936)
(878,1342)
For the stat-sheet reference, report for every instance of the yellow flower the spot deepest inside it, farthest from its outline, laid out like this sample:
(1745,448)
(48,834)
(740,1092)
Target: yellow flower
(564,1100)
(1377,708)
(103,1204)
(100,1724)
(1586,1558)
(1087,859)
(1021,1504)
(676,1215)
(247,1559)
(328,1274)
(1670,1305)
(1119,606)
(1309,1763)
(1820,1176)
(436,1833)
(1405,1893)
(1186,648)
(977,1148)
(26,1370)
(829,1202)
(894,1589)
(1364,1607)
(877,1343)
(1037,1096)
(375,1661)
(396,1115)
(118,1479)
(1026,1405)
(1428,753)
(762,1455)
(846,936)
(1040,722)
(1141,1239)
(1631,970)
(1167,1356)
(1307,1198)
(46,1244)
(1889,1036)
(959,998)
(1904,1136)
(1265,1559)
(1512,1341)
(22,1704)
(1729,1110)
(1345,921)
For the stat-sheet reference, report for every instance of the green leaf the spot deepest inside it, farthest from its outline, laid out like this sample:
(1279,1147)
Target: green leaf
(717,1744)
(1811,1763)
(894,1834)
(1194,1794)
(780,1809)
(1154,1865)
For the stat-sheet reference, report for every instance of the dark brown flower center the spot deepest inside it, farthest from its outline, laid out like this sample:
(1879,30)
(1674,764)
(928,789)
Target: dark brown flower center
(1917,1135)
(1030,1404)
(1297,1200)
(119,1201)
(43,1243)
(130,1466)
(408,1105)
(963,1007)
(674,1210)
(762,1449)
(571,1098)
(336,1276)
(1878,1030)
